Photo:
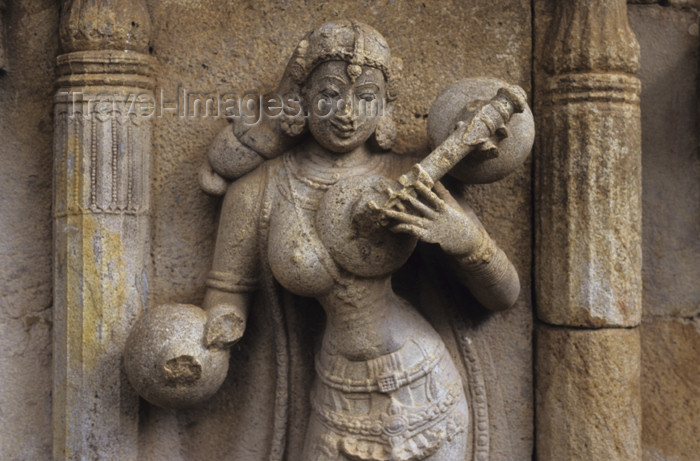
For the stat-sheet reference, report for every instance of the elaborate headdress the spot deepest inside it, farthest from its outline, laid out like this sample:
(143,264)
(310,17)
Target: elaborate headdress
(353,42)
(241,148)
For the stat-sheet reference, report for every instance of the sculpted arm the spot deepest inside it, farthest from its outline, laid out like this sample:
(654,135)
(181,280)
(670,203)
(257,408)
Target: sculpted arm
(436,217)
(233,277)
(486,270)
(501,132)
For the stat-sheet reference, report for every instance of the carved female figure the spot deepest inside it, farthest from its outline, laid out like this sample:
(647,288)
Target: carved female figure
(322,214)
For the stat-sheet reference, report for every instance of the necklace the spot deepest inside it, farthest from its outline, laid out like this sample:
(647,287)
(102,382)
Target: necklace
(315,172)
(306,230)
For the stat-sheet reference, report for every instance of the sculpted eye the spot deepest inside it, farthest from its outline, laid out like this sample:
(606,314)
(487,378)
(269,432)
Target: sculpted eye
(330,93)
(368,96)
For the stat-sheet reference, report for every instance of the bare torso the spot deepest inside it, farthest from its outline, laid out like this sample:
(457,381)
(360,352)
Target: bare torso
(365,318)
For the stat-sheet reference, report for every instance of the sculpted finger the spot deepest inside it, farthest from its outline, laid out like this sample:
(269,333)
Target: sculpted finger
(394,201)
(419,206)
(405,218)
(445,195)
(410,229)
(429,195)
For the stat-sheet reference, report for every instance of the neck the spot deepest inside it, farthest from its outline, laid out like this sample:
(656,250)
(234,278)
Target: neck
(360,156)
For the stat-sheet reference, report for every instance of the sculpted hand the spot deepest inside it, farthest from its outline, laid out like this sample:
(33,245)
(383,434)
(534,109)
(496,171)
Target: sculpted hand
(224,326)
(210,181)
(434,217)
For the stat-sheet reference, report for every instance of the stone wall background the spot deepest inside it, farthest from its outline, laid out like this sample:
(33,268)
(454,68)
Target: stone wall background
(208,46)
(26,142)
(670,43)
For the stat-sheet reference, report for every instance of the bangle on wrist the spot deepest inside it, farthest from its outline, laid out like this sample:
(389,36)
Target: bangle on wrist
(482,254)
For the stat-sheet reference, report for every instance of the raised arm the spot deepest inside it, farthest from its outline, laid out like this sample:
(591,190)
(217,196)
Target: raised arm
(434,216)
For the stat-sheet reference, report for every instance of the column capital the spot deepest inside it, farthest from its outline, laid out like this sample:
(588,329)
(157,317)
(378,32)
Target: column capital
(123,25)
(591,36)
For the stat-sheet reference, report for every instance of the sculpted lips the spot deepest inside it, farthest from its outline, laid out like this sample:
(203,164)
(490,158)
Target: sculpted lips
(343,130)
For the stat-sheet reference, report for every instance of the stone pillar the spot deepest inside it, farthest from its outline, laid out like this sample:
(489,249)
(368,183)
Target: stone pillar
(588,236)
(101,225)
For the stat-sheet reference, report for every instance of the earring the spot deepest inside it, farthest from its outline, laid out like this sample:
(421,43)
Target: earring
(292,120)
(385,133)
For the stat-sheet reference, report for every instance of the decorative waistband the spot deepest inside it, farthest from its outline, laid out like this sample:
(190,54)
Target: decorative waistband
(385,374)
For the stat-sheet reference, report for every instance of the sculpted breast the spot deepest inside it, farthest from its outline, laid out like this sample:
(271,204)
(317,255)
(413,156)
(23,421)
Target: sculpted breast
(295,253)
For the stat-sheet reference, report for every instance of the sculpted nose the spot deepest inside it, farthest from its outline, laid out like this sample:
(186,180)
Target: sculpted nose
(345,113)
(345,109)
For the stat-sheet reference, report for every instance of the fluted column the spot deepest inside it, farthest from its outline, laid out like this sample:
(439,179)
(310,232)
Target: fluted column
(588,236)
(101,223)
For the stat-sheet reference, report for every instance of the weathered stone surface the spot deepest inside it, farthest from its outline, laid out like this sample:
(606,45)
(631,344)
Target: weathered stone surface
(101,255)
(114,25)
(670,41)
(589,246)
(3,57)
(675,3)
(230,55)
(671,224)
(166,360)
(235,50)
(670,389)
(101,225)
(588,175)
(325,178)
(588,232)
(26,91)
(587,394)
(684,3)
(590,36)
(240,46)
(236,47)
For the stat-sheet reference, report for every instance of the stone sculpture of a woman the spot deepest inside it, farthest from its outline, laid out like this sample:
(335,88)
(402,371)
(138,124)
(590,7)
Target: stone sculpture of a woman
(315,207)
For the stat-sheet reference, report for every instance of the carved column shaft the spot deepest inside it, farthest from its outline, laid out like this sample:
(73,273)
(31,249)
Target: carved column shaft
(588,236)
(101,229)
(588,224)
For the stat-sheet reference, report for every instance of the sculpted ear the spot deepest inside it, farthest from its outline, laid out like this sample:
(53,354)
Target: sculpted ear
(385,133)
(393,79)
(292,120)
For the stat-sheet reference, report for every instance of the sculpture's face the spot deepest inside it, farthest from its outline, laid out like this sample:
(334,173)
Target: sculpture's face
(343,113)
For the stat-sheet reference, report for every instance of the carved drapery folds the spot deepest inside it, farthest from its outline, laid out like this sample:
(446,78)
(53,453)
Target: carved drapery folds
(101,224)
(588,235)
